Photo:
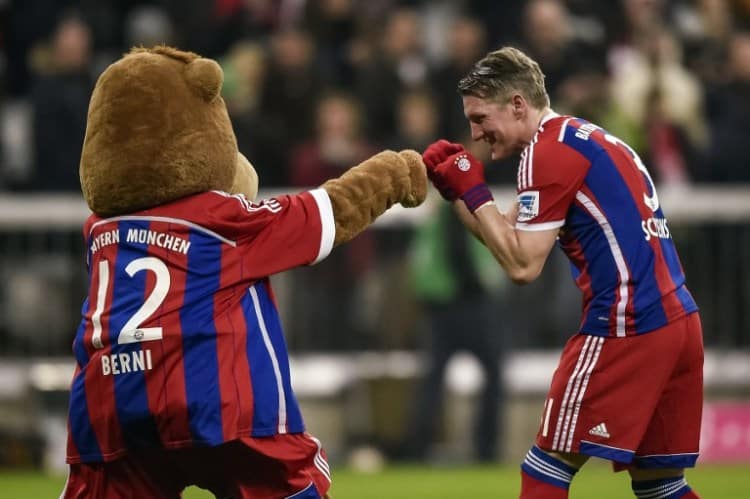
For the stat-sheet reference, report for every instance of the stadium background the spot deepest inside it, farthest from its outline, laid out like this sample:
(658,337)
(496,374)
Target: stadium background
(312,88)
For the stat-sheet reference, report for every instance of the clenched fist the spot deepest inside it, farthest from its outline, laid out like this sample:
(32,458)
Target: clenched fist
(456,173)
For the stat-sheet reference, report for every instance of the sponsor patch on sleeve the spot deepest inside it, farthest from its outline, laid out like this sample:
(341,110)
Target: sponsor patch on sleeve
(528,205)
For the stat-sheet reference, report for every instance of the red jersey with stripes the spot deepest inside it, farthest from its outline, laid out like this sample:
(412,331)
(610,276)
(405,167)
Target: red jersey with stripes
(180,343)
(576,177)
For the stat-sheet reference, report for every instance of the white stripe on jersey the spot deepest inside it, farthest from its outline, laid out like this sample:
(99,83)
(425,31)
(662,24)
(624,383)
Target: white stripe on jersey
(574,384)
(271,204)
(530,169)
(526,168)
(661,491)
(179,221)
(101,296)
(239,197)
(599,343)
(304,491)
(548,409)
(320,461)
(274,359)
(549,116)
(566,396)
(327,223)
(614,248)
(547,469)
(520,175)
(540,226)
(561,137)
(669,455)
(65,487)
(631,451)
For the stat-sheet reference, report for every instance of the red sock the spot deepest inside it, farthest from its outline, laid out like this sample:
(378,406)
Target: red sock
(531,488)
(691,495)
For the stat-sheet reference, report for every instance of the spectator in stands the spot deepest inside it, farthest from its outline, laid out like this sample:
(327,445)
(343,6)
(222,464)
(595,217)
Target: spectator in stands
(729,117)
(600,23)
(25,24)
(703,28)
(418,121)
(741,13)
(333,26)
(660,99)
(398,64)
(338,142)
(210,27)
(458,284)
(550,39)
(502,21)
(60,103)
(467,42)
(244,73)
(584,92)
(291,88)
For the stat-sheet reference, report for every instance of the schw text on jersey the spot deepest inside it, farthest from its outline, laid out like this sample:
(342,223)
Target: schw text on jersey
(655,227)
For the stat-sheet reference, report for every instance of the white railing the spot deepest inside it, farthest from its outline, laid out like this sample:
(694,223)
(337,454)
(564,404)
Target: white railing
(328,374)
(684,205)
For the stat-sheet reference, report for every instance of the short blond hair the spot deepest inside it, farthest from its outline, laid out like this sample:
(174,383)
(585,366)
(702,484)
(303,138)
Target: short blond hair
(502,72)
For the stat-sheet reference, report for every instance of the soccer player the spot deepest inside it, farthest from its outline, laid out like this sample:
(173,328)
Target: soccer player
(628,387)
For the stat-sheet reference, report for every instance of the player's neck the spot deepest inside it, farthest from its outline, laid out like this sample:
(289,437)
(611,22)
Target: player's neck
(539,115)
(533,121)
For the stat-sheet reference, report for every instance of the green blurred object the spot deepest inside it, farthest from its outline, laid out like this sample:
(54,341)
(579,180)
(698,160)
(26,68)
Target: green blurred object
(431,275)
(595,481)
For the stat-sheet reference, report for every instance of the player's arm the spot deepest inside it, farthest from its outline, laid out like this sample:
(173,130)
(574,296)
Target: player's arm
(521,253)
(471,222)
(459,177)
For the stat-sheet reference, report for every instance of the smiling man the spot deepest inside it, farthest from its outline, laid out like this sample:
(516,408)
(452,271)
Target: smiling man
(629,386)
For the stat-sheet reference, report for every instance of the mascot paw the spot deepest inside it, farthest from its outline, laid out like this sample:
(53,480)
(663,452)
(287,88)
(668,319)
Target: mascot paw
(417,191)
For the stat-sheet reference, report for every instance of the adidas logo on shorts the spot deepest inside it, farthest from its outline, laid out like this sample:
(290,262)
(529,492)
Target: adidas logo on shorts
(600,430)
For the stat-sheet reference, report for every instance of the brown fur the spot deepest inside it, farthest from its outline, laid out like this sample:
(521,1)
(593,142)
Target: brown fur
(364,192)
(157,130)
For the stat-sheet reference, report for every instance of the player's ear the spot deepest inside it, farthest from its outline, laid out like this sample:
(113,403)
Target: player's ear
(518,104)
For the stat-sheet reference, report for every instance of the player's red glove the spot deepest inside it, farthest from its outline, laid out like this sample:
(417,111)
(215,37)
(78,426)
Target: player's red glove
(463,175)
(436,153)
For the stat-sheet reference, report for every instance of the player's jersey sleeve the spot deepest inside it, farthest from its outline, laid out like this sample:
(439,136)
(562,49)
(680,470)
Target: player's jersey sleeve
(277,234)
(549,175)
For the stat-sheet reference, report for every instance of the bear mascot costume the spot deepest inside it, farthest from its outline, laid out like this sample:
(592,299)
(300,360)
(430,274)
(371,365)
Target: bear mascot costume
(182,372)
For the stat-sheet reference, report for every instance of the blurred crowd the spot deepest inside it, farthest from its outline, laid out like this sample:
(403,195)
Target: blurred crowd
(315,86)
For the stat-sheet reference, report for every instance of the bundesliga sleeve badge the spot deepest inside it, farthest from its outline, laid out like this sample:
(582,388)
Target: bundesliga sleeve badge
(528,205)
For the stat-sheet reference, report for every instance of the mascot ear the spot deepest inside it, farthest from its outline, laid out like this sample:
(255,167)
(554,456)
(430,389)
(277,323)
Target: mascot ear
(205,77)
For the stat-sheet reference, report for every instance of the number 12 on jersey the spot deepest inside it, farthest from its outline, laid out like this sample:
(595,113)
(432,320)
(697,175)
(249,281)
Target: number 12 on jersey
(131,332)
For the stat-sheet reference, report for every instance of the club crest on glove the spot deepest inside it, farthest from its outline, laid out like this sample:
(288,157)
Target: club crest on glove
(463,163)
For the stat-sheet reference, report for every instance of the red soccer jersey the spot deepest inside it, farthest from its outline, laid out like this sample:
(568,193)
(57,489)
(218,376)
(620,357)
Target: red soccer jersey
(576,177)
(180,342)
